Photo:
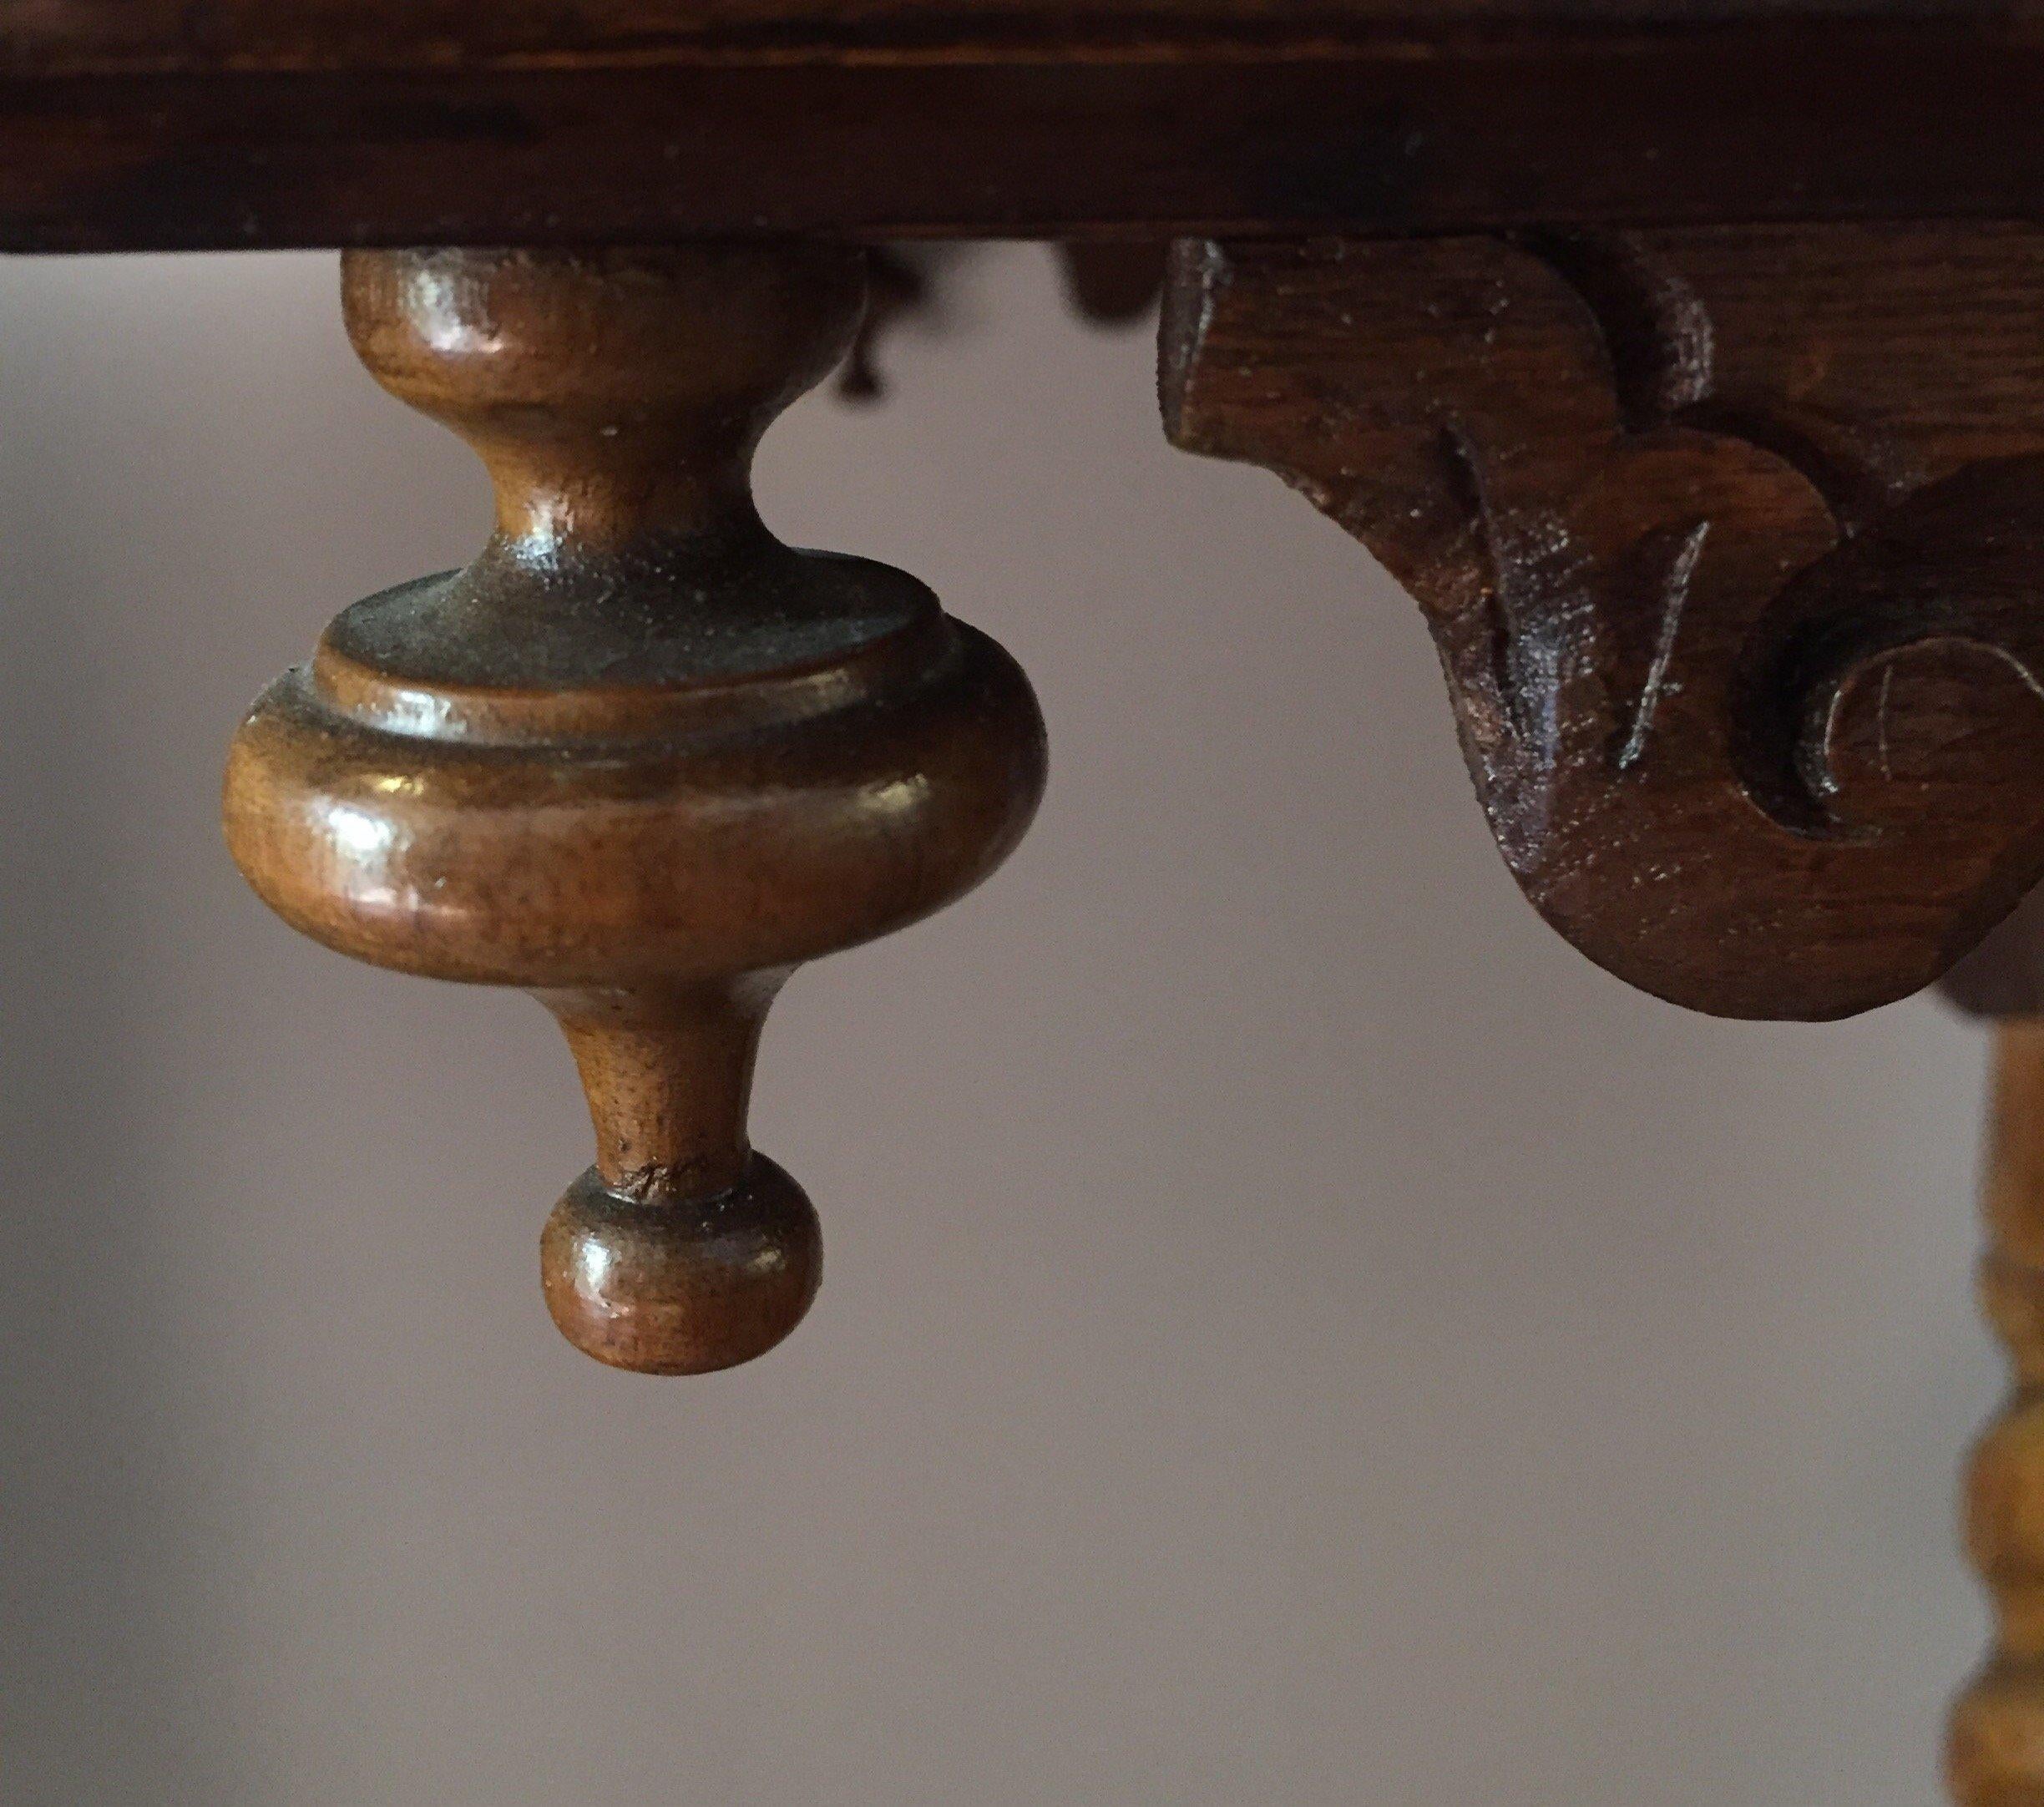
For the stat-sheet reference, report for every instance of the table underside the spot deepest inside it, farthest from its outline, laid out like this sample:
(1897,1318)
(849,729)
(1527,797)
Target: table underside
(160,126)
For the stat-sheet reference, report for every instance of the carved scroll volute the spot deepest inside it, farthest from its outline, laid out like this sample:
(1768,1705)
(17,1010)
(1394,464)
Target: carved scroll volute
(639,757)
(1745,680)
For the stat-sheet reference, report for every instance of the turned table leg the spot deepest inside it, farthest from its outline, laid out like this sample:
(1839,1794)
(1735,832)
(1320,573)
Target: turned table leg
(1996,1753)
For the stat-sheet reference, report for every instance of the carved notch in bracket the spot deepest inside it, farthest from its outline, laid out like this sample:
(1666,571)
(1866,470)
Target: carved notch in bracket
(1732,543)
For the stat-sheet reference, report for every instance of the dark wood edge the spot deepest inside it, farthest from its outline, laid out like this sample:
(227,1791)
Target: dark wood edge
(1485,131)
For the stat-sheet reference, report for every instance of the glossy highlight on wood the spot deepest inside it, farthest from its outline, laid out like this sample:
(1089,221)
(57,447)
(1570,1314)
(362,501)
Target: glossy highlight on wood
(639,757)
(1682,357)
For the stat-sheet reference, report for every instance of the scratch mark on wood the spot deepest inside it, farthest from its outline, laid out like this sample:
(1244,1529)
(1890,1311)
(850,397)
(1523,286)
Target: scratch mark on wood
(2015,662)
(1887,766)
(1496,574)
(1674,594)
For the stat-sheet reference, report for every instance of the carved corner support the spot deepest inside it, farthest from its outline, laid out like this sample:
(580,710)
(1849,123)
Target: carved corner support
(639,758)
(1732,544)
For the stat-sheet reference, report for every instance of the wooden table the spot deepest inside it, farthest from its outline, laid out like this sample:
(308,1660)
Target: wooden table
(1680,357)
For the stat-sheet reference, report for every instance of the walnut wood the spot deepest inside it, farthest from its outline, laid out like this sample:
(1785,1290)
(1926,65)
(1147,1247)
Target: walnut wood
(169,125)
(639,757)
(1996,1754)
(174,34)
(1730,541)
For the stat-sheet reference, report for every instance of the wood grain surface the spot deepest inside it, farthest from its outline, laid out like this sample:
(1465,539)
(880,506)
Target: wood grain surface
(79,35)
(150,124)
(1731,543)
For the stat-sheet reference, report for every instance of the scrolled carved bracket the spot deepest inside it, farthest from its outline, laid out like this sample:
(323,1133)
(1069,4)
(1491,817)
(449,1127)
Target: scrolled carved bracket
(1732,543)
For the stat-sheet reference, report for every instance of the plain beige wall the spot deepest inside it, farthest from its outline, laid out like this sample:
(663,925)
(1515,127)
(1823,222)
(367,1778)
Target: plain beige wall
(1294,1332)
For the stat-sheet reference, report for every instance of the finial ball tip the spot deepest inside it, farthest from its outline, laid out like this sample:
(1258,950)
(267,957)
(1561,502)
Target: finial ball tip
(669,1285)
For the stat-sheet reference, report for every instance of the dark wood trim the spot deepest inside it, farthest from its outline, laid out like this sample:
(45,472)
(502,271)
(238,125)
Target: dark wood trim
(1464,130)
(1728,539)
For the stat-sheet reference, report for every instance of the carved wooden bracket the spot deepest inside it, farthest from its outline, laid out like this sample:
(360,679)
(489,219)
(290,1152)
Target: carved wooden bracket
(1731,542)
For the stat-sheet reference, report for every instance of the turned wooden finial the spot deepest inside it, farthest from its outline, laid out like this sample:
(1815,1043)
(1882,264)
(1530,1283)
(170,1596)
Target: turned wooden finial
(639,757)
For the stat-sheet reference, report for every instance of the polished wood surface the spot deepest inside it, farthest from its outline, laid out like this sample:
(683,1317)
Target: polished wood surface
(128,124)
(1729,540)
(1680,357)
(639,757)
